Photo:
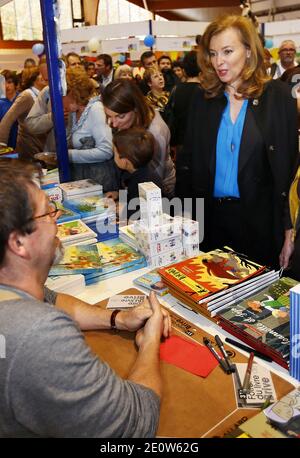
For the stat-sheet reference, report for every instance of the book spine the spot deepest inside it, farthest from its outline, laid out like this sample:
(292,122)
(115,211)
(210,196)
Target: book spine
(295,334)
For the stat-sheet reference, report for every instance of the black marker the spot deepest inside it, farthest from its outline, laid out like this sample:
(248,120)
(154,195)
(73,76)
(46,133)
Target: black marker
(223,351)
(222,363)
(249,349)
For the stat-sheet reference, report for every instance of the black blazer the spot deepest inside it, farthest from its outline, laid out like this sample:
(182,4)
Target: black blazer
(263,177)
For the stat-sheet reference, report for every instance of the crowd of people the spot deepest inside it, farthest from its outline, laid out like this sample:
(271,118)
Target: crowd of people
(221,124)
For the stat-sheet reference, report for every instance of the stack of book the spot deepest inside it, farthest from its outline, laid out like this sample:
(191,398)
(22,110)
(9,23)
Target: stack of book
(262,320)
(151,281)
(127,235)
(66,214)
(78,259)
(50,184)
(197,281)
(75,232)
(68,284)
(80,188)
(93,209)
(117,258)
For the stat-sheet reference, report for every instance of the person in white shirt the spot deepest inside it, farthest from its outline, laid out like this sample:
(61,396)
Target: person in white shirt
(287,52)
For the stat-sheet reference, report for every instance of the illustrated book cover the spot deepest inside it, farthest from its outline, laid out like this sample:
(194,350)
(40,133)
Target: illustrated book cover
(79,259)
(263,320)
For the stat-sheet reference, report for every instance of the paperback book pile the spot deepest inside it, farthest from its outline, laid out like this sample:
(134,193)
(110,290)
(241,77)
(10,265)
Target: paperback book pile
(78,259)
(80,188)
(117,258)
(50,184)
(75,232)
(93,209)
(127,235)
(151,281)
(8,152)
(66,214)
(197,281)
(69,284)
(262,320)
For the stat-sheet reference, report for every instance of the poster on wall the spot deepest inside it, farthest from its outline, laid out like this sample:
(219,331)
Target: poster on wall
(123,45)
(174,43)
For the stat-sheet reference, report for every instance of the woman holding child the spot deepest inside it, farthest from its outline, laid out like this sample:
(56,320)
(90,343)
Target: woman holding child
(126,107)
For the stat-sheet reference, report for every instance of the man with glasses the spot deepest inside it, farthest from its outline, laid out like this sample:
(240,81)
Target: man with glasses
(51,385)
(287,53)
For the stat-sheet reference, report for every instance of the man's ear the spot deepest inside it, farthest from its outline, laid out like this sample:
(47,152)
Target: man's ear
(17,243)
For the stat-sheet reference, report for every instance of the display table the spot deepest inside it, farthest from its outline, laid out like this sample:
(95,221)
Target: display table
(107,288)
(192,406)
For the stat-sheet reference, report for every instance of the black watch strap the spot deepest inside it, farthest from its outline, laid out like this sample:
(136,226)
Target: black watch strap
(113,319)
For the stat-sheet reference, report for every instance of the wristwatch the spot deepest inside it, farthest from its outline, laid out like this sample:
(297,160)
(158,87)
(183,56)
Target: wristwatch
(113,319)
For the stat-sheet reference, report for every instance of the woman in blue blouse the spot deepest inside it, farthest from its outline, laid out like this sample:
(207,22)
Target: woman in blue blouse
(241,142)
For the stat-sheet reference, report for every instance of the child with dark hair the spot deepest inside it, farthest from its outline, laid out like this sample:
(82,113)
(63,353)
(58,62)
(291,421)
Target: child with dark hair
(133,151)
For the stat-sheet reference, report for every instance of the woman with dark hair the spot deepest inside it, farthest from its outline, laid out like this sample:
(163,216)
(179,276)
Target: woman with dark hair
(125,107)
(242,143)
(27,144)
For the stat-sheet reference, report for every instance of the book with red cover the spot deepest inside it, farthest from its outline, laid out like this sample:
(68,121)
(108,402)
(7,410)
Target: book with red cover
(202,276)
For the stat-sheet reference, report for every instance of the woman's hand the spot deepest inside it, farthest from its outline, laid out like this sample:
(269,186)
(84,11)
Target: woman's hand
(287,249)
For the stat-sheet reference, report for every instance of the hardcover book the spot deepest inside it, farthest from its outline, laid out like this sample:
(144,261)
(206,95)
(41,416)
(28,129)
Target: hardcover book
(263,320)
(73,231)
(201,276)
(81,259)
(80,187)
(90,206)
(151,281)
(66,214)
(116,254)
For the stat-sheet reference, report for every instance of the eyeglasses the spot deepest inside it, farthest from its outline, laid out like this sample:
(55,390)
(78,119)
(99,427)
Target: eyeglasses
(287,50)
(52,213)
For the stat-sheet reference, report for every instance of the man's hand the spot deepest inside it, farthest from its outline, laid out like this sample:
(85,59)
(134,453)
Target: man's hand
(158,324)
(135,318)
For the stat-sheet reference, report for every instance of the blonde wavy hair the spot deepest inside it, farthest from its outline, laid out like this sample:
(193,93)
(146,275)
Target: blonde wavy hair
(80,86)
(254,75)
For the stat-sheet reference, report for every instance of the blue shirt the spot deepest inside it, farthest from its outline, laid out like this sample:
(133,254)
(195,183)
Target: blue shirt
(5,105)
(227,153)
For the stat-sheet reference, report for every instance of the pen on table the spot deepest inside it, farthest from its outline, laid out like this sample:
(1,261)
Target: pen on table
(218,358)
(249,349)
(221,346)
(246,383)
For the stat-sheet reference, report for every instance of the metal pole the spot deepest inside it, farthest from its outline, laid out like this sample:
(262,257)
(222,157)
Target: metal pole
(52,54)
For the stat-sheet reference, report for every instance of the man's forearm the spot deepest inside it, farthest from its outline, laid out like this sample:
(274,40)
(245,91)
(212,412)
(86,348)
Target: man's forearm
(87,316)
(146,369)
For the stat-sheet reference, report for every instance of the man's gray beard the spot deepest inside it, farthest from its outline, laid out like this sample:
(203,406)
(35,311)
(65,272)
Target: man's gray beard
(58,255)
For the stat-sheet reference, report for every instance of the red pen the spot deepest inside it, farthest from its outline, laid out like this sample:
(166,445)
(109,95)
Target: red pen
(246,383)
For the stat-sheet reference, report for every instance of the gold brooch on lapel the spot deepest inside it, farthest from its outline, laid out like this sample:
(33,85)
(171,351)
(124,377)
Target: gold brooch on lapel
(255,102)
